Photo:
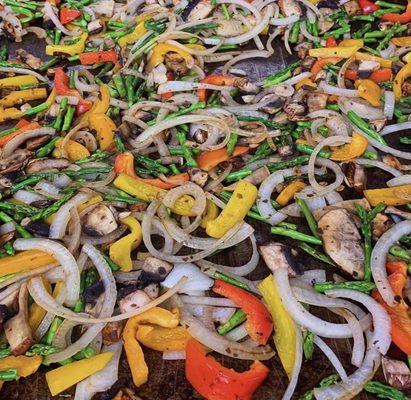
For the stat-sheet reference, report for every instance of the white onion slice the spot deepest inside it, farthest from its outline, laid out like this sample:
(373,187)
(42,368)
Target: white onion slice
(197,280)
(400,180)
(379,164)
(401,126)
(329,89)
(208,301)
(389,104)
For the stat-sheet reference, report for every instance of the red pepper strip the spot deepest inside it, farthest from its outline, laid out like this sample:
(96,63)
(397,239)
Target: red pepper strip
(124,164)
(23,127)
(396,266)
(214,79)
(331,42)
(368,7)
(61,84)
(322,62)
(67,15)
(96,57)
(215,382)
(169,94)
(403,18)
(209,159)
(259,324)
(378,76)
(400,318)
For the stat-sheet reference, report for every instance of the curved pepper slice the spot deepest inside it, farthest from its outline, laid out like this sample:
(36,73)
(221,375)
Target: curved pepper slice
(25,365)
(369,91)
(159,52)
(403,18)
(392,196)
(27,127)
(380,75)
(259,324)
(210,159)
(401,41)
(70,49)
(368,7)
(96,57)
(19,80)
(322,62)
(135,356)
(211,213)
(9,114)
(402,75)
(138,31)
(163,339)
(215,382)
(235,211)
(289,191)
(100,106)
(105,128)
(214,79)
(67,15)
(350,150)
(21,96)
(124,164)
(120,251)
(339,51)
(75,151)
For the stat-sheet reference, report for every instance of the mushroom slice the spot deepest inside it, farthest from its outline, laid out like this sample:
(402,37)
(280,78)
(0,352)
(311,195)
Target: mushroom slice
(16,161)
(342,240)
(134,300)
(278,255)
(112,332)
(100,221)
(201,10)
(396,373)
(290,7)
(155,270)
(17,329)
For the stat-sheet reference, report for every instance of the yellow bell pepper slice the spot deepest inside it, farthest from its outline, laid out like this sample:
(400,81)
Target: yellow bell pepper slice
(25,365)
(120,251)
(71,49)
(212,212)
(100,106)
(157,56)
(392,196)
(135,356)
(351,42)
(75,151)
(19,80)
(105,127)
(25,261)
(21,96)
(285,336)
(289,191)
(138,31)
(62,378)
(51,98)
(305,82)
(147,192)
(37,313)
(235,211)
(10,113)
(351,150)
(385,63)
(92,200)
(163,339)
(402,75)
(339,51)
(369,91)
(401,41)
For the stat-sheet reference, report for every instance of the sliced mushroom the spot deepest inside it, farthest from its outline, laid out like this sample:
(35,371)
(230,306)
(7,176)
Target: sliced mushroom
(290,7)
(5,237)
(396,373)
(276,103)
(134,300)
(152,290)
(380,224)
(155,270)
(324,23)
(94,27)
(348,205)
(352,7)
(38,228)
(316,101)
(278,255)
(198,176)
(295,111)
(342,241)
(392,162)
(100,221)
(29,59)
(112,332)
(37,142)
(356,177)
(16,161)
(176,63)
(17,329)
(200,11)
(229,28)
(244,85)
(103,7)
(46,164)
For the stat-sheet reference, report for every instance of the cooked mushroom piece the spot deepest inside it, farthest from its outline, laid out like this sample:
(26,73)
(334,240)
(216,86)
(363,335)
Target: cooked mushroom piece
(16,161)
(175,63)
(29,59)
(197,176)
(316,101)
(396,373)
(155,270)
(295,111)
(134,300)
(17,329)
(200,11)
(112,332)
(352,7)
(152,290)
(94,27)
(46,164)
(276,103)
(92,296)
(100,221)
(290,7)
(38,228)
(278,255)
(342,241)
(380,224)
(356,176)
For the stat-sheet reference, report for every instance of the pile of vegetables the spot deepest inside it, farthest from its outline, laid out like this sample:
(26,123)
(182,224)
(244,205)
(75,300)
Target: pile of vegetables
(137,147)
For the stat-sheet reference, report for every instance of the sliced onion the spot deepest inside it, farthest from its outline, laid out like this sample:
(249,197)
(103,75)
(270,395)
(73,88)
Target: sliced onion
(379,164)
(379,258)
(27,197)
(63,256)
(174,355)
(389,103)
(361,108)
(401,126)
(400,180)
(329,89)
(196,279)
(208,301)
(7,228)
(284,21)
(188,188)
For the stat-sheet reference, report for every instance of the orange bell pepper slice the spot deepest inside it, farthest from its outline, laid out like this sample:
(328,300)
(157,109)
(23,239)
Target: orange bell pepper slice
(210,159)
(322,62)
(403,18)
(23,126)
(378,76)
(214,79)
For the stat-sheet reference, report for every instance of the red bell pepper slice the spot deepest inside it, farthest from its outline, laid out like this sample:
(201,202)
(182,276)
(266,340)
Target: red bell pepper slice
(403,18)
(259,324)
(209,159)
(378,76)
(61,84)
(215,382)
(67,15)
(400,317)
(213,79)
(368,7)
(331,42)
(169,94)
(96,57)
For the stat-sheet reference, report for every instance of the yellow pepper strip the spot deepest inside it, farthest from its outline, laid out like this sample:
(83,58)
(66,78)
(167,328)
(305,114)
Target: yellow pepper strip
(120,251)
(339,51)
(71,49)
(212,212)
(163,339)
(135,356)
(369,91)
(402,75)
(195,46)
(62,378)
(289,191)
(285,336)
(148,192)
(385,63)
(139,31)
(37,313)
(19,80)
(25,261)
(157,56)
(105,127)
(393,196)
(401,41)
(51,98)
(25,365)
(305,82)
(351,42)
(75,151)
(350,150)
(21,96)
(100,106)
(407,58)
(236,209)
(92,200)
(10,113)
